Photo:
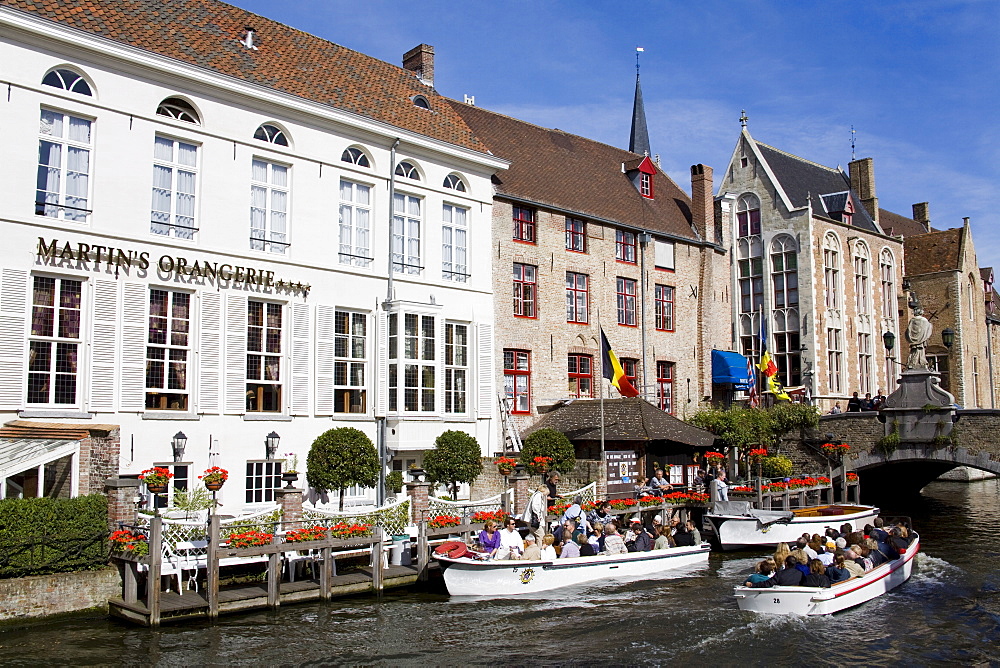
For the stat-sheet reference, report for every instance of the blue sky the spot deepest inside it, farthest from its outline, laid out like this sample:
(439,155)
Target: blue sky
(919,80)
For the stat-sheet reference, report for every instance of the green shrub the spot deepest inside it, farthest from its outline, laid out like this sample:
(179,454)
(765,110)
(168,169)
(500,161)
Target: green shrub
(776,466)
(394,481)
(549,443)
(40,536)
(341,458)
(456,458)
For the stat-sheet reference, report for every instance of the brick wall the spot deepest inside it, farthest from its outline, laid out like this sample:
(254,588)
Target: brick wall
(44,595)
(98,460)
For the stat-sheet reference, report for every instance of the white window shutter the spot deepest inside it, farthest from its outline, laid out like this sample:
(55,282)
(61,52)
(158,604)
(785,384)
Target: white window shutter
(301,359)
(484,369)
(13,337)
(236,354)
(210,353)
(382,361)
(104,351)
(664,254)
(439,385)
(135,314)
(324,359)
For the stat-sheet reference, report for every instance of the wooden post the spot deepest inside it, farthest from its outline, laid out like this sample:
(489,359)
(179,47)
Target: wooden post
(155,559)
(324,574)
(130,581)
(377,574)
(786,502)
(212,567)
(274,575)
(843,481)
(422,551)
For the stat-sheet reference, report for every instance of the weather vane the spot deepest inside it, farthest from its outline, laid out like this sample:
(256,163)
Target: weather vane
(853,133)
(638,50)
(743,118)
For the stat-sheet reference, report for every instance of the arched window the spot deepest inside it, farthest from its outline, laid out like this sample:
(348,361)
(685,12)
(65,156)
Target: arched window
(407,170)
(831,271)
(272,134)
(972,298)
(862,279)
(834,329)
(182,110)
(785,284)
(748,215)
(421,101)
(454,181)
(356,156)
(750,267)
(67,80)
(784,272)
(887,272)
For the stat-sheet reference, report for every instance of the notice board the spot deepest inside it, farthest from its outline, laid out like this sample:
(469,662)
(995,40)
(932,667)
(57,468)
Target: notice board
(623,471)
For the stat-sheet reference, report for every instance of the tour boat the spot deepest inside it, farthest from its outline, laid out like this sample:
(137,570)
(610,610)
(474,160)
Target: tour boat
(825,601)
(468,576)
(737,524)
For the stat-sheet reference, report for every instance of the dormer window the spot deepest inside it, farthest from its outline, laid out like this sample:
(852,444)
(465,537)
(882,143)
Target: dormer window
(421,101)
(181,110)
(640,172)
(847,215)
(646,185)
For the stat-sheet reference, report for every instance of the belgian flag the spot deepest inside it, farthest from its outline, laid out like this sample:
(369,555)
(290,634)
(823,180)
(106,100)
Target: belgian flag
(613,371)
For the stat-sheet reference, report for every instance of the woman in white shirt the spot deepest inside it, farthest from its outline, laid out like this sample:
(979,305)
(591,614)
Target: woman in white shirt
(548,551)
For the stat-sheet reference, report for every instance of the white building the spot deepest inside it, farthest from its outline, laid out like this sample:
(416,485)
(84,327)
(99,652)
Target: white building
(195,216)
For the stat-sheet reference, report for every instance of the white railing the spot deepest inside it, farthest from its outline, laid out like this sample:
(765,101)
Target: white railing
(588,492)
(461,508)
(394,516)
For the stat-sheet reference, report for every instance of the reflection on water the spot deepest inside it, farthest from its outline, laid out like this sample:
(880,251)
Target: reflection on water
(949,612)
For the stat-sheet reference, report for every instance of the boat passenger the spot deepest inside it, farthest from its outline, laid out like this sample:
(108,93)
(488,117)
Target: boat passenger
(878,531)
(586,548)
(663,540)
(489,539)
(761,572)
(550,485)
(695,534)
(789,576)
(637,540)
(846,529)
(597,537)
(841,543)
(781,552)
(897,542)
(575,512)
(511,544)
(877,556)
(826,552)
(851,564)
(855,538)
(531,549)
(682,536)
(613,543)
(837,572)
(536,512)
(862,559)
(653,528)
(817,575)
(803,544)
(548,552)
(570,548)
(600,514)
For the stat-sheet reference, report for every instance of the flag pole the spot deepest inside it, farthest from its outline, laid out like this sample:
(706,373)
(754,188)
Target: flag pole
(604,454)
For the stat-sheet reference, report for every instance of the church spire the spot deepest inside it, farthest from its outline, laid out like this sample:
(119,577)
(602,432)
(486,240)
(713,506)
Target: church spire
(638,141)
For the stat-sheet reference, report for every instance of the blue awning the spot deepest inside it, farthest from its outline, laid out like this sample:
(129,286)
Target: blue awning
(730,368)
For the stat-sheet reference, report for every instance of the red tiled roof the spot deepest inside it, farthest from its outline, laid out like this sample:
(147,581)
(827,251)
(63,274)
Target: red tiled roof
(572,173)
(206,33)
(933,251)
(896,225)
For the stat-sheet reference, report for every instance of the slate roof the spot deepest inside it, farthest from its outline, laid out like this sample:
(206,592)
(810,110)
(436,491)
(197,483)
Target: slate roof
(572,173)
(206,33)
(624,420)
(933,251)
(803,181)
(896,225)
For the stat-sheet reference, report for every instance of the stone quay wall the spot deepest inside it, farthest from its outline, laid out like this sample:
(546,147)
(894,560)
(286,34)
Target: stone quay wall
(39,596)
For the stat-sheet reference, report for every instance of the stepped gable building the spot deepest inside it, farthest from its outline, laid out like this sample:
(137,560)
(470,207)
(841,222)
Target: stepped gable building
(589,236)
(812,259)
(203,211)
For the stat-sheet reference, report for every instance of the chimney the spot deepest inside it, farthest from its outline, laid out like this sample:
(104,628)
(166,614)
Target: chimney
(922,214)
(420,61)
(702,200)
(863,183)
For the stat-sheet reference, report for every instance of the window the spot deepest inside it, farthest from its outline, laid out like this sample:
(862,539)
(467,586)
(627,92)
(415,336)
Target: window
(751,277)
(646,185)
(581,380)
(939,365)
(787,349)
(421,101)
(175,179)
(887,269)
(626,301)
(263,479)
(625,246)
(834,359)
(355,224)
(167,346)
(407,170)
(350,362)
(975,381)
(862,278)
(847,215)
(454,244)
(577,297)
(517,379)
(269,207)
(54,345)
(178,109)
(264,357)
(631,367)
(63,183)
(271,134)
(576,237)
(179,483)
(664,255)
(456,367)
(67,80)
(524,224)
(454,182)
(418,368)
(406,234)
(524,290)
(663,296)
(748,215)
(864,362)
(831,271)
(665,386)
(784,272)
(972,300)
(355,156)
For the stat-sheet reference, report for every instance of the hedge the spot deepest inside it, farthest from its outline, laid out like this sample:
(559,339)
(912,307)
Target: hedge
(39,536)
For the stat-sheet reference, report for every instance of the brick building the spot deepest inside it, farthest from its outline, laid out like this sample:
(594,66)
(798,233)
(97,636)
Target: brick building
(586,236)
(811,258)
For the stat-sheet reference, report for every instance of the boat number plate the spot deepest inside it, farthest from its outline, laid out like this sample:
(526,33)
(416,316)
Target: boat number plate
(777,600)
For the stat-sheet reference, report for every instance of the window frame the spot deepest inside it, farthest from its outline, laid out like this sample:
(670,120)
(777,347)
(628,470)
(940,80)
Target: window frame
(630,366)
(625,245)
(272,134)
(748,216)
(257,387)
(665,386)
(345,343)
(575,312)
(663,302)
(67,146)
(862,279)
(626,293)
(181,482)
(357,251)
(419,371)
(60,75)
(514,372)
(57,343)
(356,156)
(270,472)
(451,268)
(175,166)
(525,225)
(278,242)
(576,235)
(456,367)
(525,290)
(579,377)
(404,241)
(163,392)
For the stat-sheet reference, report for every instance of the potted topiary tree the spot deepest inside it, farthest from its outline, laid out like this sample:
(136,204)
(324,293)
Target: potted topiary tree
(548,450)
(456,458)
(341,458)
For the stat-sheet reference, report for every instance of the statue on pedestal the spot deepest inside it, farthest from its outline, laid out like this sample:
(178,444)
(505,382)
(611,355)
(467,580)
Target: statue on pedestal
(917,333)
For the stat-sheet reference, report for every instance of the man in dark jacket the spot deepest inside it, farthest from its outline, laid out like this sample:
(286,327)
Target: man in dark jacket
(789,576)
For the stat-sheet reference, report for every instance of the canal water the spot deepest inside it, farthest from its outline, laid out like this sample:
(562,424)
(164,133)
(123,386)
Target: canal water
(948,613)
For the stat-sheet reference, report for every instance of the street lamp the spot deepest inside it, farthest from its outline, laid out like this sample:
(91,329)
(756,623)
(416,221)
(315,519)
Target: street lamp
(178,444)
(271,444)
(889,341)
(948,337)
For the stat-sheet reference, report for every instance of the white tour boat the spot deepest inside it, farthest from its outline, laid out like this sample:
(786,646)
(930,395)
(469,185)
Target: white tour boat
(737,524)
(825,601)
(465,576)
